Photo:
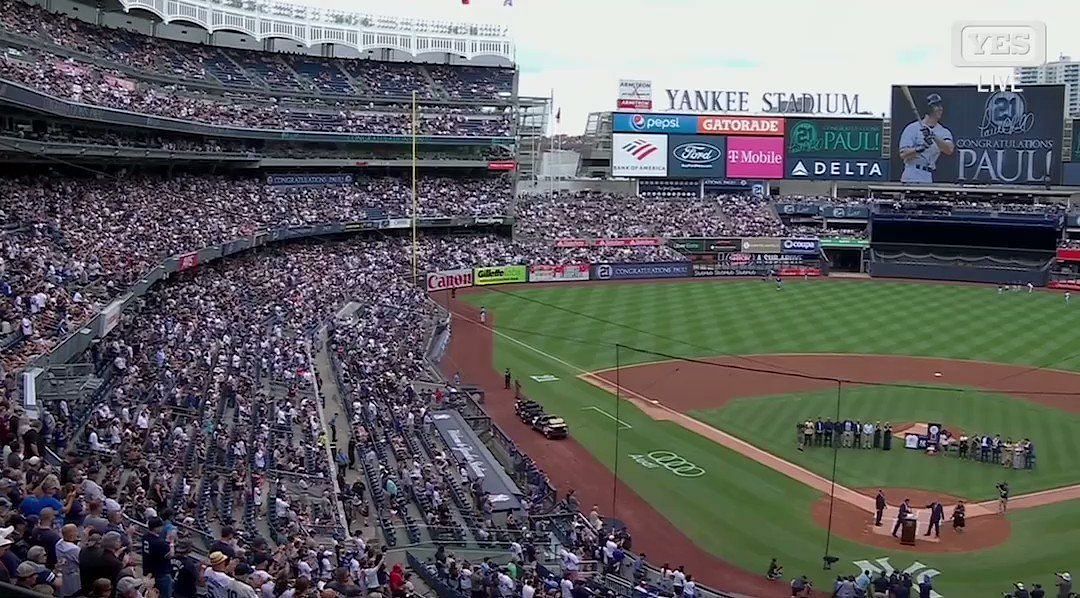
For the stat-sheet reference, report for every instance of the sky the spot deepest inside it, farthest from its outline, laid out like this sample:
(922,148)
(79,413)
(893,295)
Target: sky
(579,49)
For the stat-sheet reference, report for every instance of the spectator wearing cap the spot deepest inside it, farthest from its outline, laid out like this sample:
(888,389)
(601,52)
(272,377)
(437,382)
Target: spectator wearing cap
(45,576)
(26,576)
(38,501)
(187,568)
(6,572)
(156,557)
(130,587)
(102,561)
(67,560)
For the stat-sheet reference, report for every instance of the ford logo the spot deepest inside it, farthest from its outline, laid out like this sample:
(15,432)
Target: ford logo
(638,122)
(696,153)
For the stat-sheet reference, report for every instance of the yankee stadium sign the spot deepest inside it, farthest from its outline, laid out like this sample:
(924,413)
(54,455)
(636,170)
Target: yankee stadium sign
(770,102)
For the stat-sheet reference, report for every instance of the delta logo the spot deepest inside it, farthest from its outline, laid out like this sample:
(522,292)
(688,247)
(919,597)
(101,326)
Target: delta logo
(640,149)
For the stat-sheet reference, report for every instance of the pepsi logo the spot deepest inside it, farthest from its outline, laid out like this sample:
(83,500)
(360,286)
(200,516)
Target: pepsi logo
(637,121)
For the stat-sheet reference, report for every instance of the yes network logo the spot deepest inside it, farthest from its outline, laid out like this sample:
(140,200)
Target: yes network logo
(640,149)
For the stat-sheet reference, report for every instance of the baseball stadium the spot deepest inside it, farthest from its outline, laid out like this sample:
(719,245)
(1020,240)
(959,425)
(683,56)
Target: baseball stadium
(314,300)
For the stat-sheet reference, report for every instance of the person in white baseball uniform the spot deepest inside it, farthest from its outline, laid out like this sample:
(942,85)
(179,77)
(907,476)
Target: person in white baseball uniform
(923,141)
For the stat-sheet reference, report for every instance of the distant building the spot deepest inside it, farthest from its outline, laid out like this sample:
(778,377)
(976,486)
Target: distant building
(1064,70)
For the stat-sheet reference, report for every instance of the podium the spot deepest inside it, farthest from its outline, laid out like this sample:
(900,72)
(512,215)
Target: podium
(908,529)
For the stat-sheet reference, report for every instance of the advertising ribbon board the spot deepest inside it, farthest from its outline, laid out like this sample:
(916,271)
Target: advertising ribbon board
(632,271)
(801,246)
(188,261)
(449,279)
(842,243)
(571,272)
(1068,255)
(762,245)
(622,242)
(490,275)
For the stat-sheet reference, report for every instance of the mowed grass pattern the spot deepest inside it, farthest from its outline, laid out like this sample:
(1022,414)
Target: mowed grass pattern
(769,423)
(743,511)
(704,319)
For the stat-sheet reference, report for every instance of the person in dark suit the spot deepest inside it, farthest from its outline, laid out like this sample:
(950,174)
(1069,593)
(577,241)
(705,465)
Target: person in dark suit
(905,510)
(819,432)
(877,434)
(506,379)
(886,437)
(857,432)
(879,507)
(937,513)
(828,425)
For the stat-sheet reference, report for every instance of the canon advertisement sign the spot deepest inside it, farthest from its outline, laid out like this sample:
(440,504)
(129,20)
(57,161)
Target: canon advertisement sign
(449,279)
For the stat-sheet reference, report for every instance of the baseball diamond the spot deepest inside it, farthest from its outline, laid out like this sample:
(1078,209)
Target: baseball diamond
(717,374)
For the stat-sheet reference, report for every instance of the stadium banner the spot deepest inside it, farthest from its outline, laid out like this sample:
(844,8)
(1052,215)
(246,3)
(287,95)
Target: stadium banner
(308,180)
(844,243)
(1068,255)
(741,125)
(187,261)
(565,273)
(752,270)
(504,166)
(846,212)
(836,169)
(399,223)
(669,188)
(747,264)
(705,245)
(696,156)
(639,155)
(721,186)
(801,246)
(620,242)
(1072,220)
(634,94)
(1003,137)
(755,157)
(762,245)
(450,279)
(798,209)
(833,138)
(632,271)
(490,275)
(675,124)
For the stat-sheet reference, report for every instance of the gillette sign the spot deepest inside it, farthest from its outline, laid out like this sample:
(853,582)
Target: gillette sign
(624,122)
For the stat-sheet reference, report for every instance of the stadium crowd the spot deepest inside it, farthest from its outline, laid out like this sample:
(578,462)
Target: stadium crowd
(604,215)
(250,69)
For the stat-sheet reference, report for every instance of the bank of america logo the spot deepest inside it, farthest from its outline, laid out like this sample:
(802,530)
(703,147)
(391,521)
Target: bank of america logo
(640,149)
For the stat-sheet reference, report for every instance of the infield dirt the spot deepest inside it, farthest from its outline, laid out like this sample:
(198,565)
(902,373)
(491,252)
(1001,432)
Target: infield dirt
(702,385)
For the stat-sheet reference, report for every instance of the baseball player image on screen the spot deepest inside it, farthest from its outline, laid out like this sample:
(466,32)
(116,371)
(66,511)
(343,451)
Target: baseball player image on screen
(923,141)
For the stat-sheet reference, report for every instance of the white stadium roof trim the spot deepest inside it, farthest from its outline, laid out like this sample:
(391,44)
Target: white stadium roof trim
(310,26)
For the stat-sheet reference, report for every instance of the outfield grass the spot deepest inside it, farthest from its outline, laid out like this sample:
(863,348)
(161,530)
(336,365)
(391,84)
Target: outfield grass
(768,422)
(745,512)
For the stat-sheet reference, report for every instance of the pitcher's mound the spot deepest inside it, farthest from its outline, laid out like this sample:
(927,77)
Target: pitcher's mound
(851,523)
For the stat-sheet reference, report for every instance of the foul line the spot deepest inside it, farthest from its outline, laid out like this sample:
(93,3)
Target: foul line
(625,426)
(657,411)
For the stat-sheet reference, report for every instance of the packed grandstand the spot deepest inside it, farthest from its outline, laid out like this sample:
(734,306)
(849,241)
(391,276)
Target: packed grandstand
(226,377)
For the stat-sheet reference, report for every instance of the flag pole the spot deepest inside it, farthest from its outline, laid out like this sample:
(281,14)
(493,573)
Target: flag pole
(415,201)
